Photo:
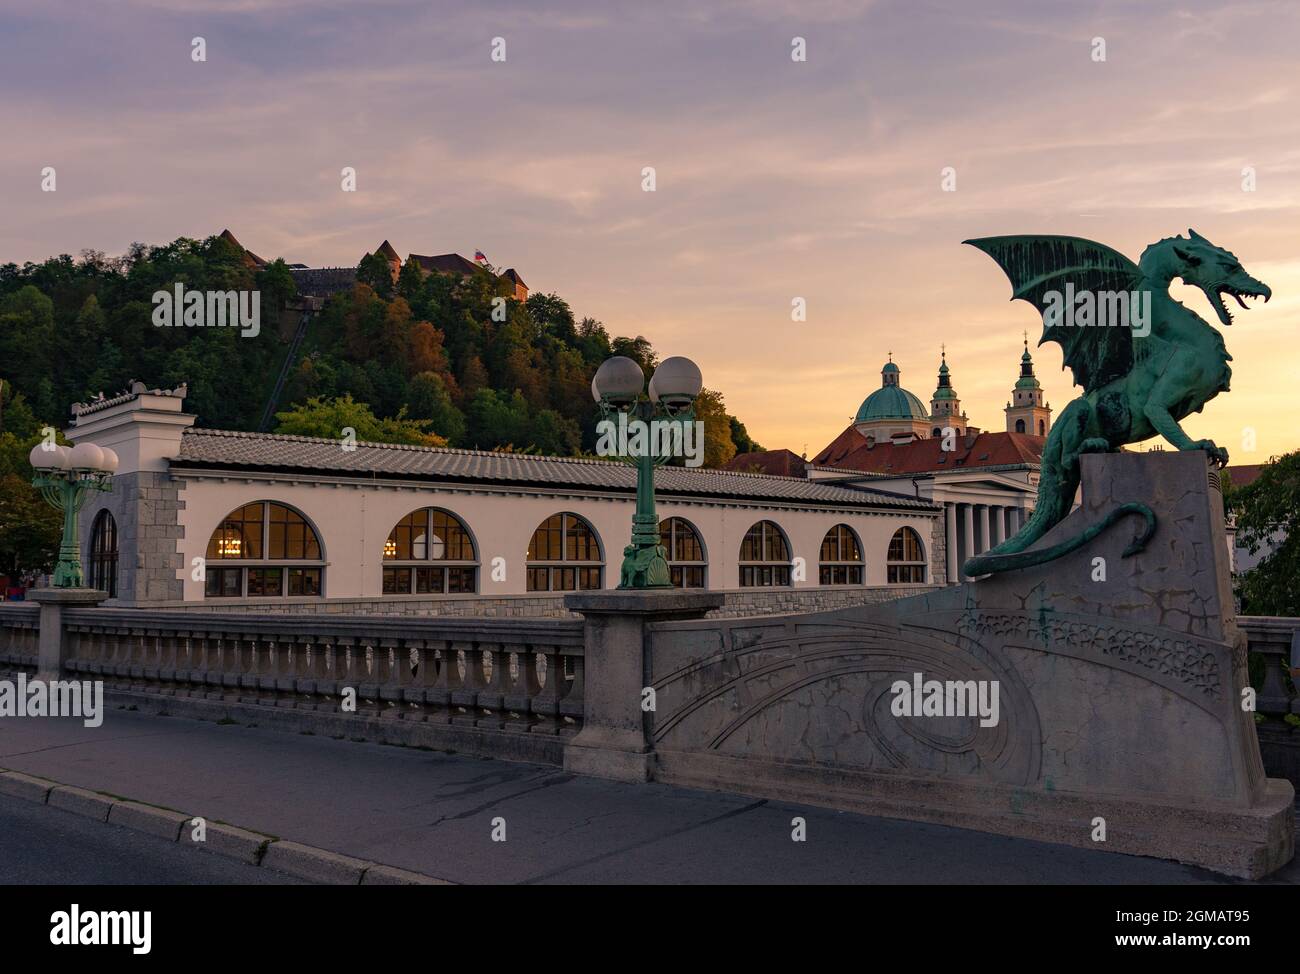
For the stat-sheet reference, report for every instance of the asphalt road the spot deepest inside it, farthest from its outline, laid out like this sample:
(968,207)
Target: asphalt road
(440,814)
(44,845)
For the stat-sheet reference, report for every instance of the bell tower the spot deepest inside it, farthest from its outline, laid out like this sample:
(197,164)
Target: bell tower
(1026,412)
(945,405)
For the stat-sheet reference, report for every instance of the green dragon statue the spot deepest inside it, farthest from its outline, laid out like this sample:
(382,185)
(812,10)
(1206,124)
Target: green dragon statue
(1141,374)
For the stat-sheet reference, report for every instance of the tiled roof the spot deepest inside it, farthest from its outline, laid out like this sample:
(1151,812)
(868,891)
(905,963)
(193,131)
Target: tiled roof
(227,449)
(850,451)
(1245,473)
(445,263)
(387,252)
(778,463)
(250,258)
(136,390)
(513,277)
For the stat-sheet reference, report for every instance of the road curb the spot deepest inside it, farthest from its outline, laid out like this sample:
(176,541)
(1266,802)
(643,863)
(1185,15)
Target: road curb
(220,839)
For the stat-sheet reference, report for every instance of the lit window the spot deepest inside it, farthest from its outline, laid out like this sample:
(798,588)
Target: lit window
(262,550)
(906,559)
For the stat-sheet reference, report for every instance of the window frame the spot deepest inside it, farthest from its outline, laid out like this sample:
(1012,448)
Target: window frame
(901,571)
(580,570)
(406,573)
(680,568)
(102,557)
(249,574)
(853,570)
(765,572)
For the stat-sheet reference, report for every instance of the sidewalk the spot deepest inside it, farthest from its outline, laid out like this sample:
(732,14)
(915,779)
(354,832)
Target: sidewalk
(434,813)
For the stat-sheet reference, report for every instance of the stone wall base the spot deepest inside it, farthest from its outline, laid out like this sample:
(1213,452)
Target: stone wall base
(1245,843)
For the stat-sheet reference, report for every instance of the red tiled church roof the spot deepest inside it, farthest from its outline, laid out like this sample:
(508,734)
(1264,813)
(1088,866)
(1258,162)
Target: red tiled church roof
(778,463)
(851,451)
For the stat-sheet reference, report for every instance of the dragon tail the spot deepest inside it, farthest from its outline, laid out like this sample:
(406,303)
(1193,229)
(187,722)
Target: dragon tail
(1056,488)
(992,561)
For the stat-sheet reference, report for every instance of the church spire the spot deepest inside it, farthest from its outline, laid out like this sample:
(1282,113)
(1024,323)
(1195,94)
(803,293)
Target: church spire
(1026,412)
(945,407)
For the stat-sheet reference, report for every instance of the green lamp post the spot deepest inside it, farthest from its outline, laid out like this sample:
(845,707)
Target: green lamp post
(65,477)
(618,388)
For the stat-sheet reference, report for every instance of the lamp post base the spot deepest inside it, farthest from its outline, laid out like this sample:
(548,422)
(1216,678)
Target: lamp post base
(644,568)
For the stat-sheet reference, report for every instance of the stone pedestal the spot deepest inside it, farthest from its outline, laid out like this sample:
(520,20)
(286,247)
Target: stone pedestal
(53,646)
(614,741)
(1120,723)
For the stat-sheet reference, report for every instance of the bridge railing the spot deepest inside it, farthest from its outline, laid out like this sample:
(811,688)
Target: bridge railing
(1274,645)
(513,675)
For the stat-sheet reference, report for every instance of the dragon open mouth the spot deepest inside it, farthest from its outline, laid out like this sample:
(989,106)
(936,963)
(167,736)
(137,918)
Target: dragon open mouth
(1221,306)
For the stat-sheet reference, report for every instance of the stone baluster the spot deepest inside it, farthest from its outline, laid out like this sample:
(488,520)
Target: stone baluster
(464,698)
(524,685)
(571,703)
(546,702)
(445,682)
(389,660)
(492,695)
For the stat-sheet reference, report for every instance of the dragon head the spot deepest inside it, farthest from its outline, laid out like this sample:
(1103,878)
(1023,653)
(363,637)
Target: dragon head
(1215,271)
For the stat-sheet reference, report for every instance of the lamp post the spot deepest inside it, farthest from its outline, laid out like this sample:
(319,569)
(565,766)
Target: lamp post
(65,477)
(618,388)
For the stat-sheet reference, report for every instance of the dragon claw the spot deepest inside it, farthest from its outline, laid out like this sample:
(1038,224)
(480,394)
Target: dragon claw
(1217,453)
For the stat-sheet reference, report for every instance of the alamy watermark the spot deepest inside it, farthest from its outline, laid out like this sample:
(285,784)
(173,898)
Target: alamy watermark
(946,698)
(656,438)
(1098,309)
(75,927)
(55,698)
(179,308)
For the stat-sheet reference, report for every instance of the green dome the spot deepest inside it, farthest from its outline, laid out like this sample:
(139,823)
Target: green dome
(890,367)
(891,402)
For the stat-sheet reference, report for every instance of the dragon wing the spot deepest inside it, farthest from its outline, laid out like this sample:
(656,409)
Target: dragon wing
(1039,264)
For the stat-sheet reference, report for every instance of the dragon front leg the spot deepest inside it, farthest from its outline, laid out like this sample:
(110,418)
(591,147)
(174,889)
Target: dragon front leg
(1157,413)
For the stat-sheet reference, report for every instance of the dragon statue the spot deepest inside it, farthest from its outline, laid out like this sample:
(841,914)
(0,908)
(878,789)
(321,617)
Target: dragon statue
(1140,375)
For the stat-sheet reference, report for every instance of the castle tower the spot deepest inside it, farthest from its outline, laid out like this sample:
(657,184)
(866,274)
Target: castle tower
(945,406)
(1026,412)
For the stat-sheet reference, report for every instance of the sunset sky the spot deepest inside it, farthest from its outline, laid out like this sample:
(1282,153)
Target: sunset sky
(775,179)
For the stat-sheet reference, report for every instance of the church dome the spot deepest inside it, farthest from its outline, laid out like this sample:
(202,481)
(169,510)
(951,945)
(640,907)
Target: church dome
(891,402)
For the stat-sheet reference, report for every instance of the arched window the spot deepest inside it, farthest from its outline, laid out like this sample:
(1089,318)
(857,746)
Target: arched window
(564,555)
(1020,426)
(764,556)
(264,549)
(1042,428)
(429,552)
(937,432)
(101,566)
(841,557)
(906,559)
(686,561)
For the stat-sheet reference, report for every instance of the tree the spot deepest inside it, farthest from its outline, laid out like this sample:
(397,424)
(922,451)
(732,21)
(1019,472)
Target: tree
(552,315)
(552,434)
(495,420)
(638,350)
(375,271)
(429,397)
(740,436)
(712,412)
(410,281)
(328,418)
(426,352)
(30,529)
(1268,514)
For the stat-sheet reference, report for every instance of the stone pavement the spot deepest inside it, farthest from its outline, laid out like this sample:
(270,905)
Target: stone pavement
(435,813)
